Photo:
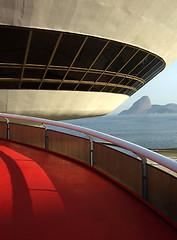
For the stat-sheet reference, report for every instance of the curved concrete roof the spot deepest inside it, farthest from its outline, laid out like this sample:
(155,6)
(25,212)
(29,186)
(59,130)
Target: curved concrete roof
(93,75)
(147,24)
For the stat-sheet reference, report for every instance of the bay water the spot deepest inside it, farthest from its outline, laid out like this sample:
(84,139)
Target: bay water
(150,131)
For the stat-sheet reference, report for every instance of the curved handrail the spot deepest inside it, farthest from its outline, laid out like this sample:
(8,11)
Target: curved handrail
(141,151)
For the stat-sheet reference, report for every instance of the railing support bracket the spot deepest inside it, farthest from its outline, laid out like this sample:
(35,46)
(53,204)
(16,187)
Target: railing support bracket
(144,178)
(8,128)
(46,136)
(91,150)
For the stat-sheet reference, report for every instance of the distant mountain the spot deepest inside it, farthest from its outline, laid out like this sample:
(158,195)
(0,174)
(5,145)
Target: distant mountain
(162,109)
(139,107)
(143,106)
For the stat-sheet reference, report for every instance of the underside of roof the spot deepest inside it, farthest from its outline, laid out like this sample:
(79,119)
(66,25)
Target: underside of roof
(50,60)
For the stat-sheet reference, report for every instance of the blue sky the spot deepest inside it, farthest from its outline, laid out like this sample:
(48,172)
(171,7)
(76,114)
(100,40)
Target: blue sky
(161,90)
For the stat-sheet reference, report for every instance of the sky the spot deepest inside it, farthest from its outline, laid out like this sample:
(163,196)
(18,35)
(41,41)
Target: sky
(161,90)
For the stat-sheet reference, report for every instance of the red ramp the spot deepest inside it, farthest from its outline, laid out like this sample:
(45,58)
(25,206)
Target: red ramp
(46,196)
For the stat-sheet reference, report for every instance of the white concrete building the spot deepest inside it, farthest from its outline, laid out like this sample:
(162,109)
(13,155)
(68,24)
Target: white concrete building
(80,58)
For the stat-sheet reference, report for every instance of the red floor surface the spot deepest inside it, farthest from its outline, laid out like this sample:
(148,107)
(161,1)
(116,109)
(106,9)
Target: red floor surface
(45,196)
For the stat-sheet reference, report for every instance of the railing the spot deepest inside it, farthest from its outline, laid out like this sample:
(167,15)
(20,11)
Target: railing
(140,151)
(106,159)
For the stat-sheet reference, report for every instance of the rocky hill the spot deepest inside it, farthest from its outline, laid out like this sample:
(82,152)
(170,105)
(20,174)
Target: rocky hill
(139,107)
(143,106)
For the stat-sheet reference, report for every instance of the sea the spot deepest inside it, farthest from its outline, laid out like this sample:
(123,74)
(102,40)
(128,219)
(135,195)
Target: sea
(150,131)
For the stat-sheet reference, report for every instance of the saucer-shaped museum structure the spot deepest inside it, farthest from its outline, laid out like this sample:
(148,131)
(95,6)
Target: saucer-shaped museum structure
(70,59)
(63,59)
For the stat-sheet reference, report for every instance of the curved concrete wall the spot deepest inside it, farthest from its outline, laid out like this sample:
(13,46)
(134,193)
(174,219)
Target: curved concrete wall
(148,24)
(59,105)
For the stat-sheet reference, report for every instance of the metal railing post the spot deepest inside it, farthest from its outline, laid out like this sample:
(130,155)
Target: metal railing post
(7,129)
(91,150)
(144,178)
(46,137)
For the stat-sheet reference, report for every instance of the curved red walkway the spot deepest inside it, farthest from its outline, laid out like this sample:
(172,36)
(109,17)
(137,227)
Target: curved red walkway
(45,196)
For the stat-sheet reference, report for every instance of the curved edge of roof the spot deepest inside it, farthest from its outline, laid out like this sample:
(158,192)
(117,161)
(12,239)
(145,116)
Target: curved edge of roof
(148,26)
(91,35)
